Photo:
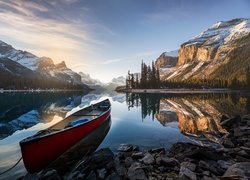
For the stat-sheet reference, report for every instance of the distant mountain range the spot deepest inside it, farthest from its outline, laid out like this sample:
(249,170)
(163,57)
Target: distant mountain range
(98,85)
(222,51)
(23,70)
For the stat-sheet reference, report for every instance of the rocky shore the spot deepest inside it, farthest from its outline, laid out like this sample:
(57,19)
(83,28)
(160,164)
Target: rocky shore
(229,160)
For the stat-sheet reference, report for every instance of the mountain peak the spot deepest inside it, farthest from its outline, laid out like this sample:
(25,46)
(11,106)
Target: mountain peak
(61,65)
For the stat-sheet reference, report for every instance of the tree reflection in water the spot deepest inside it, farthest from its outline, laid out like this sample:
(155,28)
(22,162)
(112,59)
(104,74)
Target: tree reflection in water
(195,113)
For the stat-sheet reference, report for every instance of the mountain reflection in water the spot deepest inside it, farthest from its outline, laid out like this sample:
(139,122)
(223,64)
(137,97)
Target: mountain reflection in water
(148,120)
(23,110)
(195,113)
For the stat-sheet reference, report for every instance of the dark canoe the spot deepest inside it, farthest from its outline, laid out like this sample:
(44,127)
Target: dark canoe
(39,150)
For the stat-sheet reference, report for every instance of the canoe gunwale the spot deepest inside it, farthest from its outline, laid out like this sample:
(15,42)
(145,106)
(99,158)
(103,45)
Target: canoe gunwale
(38,137)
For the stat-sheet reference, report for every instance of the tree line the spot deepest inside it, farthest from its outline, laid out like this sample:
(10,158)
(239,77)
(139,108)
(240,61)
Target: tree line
(149,77)
(25,83)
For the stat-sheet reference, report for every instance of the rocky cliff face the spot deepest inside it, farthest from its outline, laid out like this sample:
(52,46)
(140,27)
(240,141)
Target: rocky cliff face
(166,61)
(201,56)
(58,71)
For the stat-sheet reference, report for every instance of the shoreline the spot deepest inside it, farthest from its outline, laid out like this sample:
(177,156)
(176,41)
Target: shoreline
(38,90)
(229,160)
(178,91)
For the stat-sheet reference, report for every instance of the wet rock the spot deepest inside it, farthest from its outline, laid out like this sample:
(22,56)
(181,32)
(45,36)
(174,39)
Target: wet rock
(91,176)
(75,175)
(113,176)
(203,165)
(135,172)
(99,158)
(230,123)
(182,150)
(241,131)
(51,175)
(207,178)
(157,150)
(101,173)
(206,173)
(186,173)
(128,148)
(189,165)
(137,155)
(128,162)
(243,153)
(148,159)
(224,164)
(216,169)
(223,118)
(120,168)
(238,170)
(30,176)
(227,143)
(166,161)
(125,148)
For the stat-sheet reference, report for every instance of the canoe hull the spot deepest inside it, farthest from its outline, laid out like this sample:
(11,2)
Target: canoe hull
(41,152)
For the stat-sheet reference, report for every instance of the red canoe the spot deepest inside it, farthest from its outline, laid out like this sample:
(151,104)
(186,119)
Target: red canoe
(39,150)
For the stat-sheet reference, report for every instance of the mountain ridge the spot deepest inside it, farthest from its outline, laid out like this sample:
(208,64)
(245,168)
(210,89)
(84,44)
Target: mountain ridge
(208,54)
(20,64)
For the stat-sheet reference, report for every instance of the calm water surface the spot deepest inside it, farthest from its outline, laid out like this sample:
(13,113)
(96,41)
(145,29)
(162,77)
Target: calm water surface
(148,120)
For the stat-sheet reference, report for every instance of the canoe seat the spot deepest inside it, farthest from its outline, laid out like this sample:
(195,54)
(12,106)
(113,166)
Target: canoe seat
(77,122)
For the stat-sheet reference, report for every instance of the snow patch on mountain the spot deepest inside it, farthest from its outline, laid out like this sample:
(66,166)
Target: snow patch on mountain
(198,66)
(222,32)
(172,53)
(87,79)
(120,81)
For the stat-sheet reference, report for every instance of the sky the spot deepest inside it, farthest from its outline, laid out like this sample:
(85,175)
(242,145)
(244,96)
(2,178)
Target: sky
(106,38)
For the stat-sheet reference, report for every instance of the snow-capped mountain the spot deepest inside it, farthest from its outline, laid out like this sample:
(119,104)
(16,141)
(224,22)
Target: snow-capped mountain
(59,71)
(12,68)
(22,57)
(173,53)
(120,81)
(87,79)
(209,53)
(43,66)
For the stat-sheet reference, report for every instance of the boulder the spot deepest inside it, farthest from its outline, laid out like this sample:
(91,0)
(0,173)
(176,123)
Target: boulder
(186,173)
(148,159)
(157,150)
(137,155)
(224,164)
(51,175)
(113,176)
(181,150)
(223,118)
(230,123)
(239,170)
(100,158)
(228,143)
(189,165)
(120,168)
(101,173)
(128,148)
(91,176)
(125,148)
(128,162)
(135,172)
(166,161)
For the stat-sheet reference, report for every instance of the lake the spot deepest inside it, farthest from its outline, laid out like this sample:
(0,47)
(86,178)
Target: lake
(147,120)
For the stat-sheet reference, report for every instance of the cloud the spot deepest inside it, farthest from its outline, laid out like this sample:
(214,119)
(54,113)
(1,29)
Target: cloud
(22,7)
(136,56)
(54,36)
